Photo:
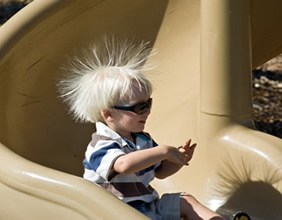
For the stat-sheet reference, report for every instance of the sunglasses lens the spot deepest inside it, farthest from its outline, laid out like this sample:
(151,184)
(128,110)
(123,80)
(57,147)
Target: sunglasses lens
(140,108)
(143,107)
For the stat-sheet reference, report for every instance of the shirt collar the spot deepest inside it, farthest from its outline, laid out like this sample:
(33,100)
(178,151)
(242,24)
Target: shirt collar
(104,130)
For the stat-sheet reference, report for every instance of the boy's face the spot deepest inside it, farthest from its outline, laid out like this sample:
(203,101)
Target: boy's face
(125,122)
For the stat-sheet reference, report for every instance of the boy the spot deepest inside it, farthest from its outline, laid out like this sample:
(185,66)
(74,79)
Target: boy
(110,88)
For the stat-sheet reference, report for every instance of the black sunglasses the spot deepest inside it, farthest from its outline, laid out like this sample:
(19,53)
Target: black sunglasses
(139,108)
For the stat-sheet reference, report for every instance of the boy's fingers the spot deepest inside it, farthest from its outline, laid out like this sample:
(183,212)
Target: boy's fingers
(193,146)
(185,147)
(187,144)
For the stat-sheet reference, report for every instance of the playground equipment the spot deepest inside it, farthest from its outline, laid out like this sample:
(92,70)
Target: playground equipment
(203,91)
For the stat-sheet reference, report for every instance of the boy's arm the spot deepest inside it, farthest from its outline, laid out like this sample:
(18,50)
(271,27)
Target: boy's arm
(142,159)
(168,168)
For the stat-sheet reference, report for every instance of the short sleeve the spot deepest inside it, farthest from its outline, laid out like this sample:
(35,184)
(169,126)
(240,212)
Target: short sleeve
(102,158)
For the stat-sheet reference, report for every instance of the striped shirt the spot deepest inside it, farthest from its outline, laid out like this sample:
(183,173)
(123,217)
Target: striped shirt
(105,147)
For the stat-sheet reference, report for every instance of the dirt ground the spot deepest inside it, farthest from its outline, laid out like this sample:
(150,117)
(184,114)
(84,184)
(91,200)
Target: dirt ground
(10,7)
(267,97)
(267,82)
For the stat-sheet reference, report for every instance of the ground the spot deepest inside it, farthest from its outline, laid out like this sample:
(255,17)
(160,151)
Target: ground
(267,97)
(267,82)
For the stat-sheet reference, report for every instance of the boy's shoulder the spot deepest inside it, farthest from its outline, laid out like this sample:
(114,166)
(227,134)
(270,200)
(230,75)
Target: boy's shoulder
(97,137)
(105,136)
(103,131)
(104,140)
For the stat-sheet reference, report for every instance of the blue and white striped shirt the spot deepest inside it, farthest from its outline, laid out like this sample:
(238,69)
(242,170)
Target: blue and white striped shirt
(105,147)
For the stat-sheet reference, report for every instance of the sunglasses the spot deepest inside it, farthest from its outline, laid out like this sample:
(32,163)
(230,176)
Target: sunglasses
(139,108)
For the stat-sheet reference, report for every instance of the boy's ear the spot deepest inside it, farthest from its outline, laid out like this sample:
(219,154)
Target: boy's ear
(107,115)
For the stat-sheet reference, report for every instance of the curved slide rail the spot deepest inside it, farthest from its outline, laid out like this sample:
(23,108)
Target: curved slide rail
(32,191)
(203,91)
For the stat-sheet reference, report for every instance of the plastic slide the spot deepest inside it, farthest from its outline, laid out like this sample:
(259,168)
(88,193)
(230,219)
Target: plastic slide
(206,51)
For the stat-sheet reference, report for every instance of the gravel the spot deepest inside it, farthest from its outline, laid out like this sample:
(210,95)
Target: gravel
(267,97)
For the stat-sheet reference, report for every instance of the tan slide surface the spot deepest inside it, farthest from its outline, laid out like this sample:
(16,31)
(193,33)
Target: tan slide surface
(206,50)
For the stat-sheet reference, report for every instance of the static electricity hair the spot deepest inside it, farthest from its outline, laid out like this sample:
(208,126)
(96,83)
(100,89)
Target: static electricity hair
(102,77)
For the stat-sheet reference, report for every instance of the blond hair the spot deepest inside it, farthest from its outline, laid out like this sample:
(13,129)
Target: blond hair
(102,77)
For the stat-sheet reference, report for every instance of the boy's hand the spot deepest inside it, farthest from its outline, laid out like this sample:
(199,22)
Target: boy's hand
(187,150)
(182,155)
(175,156)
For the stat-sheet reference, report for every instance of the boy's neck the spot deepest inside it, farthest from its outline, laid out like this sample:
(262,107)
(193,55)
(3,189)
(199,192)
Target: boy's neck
(131,138)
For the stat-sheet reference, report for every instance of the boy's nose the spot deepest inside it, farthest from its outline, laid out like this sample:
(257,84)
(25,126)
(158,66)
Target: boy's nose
(148,111)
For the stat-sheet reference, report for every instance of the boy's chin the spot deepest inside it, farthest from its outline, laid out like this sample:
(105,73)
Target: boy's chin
(140,129)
